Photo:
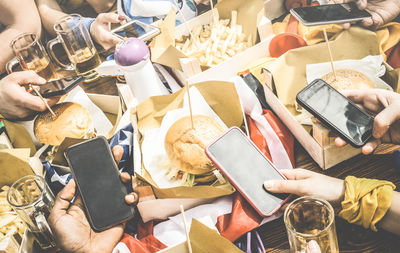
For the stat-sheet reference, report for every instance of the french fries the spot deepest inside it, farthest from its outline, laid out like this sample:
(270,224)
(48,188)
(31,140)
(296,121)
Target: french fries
(214,43)
(10,223)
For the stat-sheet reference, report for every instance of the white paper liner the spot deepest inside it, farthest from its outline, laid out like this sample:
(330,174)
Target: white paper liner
(153,150)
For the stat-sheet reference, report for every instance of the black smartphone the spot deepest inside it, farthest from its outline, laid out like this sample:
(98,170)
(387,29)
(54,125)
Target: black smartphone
(97,177)
(59,87)
(136,29)
(337,112)
(247,168)
(329,14)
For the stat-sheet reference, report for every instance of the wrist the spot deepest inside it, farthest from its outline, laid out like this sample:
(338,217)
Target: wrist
(88,23)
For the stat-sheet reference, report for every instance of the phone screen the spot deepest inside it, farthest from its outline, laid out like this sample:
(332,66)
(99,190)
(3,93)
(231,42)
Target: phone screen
(97,177)
(59,87)
(331,13)
(247,168)
(335,110)
(136,29)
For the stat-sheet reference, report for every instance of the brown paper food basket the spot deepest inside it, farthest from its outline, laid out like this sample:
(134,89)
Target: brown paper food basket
(223,99)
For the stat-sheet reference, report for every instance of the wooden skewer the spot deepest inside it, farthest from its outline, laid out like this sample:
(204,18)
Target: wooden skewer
(184,20)
(44,101)
(330,53)
(186,231)
(212,11)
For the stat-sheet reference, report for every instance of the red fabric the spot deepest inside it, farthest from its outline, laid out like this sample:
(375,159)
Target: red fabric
(393,55)
(243,217)
(148,244)
(144,229)
(280,129)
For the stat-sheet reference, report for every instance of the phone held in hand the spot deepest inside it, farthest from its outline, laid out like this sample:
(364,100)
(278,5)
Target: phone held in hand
(329,14)
(97,177)
(59,87)
(136,29)
(337,112)
(247,169)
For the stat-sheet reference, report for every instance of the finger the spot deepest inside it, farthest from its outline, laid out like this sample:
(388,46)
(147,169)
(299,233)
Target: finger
(296,174)
(346,26)
(283,186)
(52,101)
(64,198)
(125,177)
(27,77)
(313,247)
(357,96)
(132,199)
(339,142)
(29,101)
(370,146)
(108,17)
(361,4)
(367,22)
(117,151)
(384,119)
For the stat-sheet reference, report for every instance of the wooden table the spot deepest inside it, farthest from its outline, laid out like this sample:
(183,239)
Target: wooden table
(351,238)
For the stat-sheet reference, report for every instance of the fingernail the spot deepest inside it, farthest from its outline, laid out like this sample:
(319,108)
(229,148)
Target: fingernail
(130,198)
(313,245)
(269,184)
(42,80)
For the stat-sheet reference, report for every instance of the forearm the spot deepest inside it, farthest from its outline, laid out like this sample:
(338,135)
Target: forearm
(391,221)
(50,12)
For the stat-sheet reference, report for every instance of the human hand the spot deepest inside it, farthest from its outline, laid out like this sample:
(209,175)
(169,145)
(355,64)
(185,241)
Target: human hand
(382,11)
(16,102)
(101,27)
(313,247)
(386,105)
(303,182)
(70,227)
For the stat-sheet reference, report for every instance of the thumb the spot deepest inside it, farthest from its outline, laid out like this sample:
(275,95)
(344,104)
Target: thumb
(26,77)
(384,119)
(283,186)
(64,199)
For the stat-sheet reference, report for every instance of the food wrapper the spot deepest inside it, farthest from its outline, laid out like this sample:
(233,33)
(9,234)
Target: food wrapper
(14,164)
(224,102)
(289,70)
(163,49)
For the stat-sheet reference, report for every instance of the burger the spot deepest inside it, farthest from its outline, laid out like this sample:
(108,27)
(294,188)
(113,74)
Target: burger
(185,148)
(71,120)
(348,79)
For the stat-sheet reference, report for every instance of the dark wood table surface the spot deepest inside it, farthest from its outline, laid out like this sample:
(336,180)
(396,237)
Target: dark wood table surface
(351,238)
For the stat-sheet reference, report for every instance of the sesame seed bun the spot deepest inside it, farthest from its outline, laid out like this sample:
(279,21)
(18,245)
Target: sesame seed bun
(348,79)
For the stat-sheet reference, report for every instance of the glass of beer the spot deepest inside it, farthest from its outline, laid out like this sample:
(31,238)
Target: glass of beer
(75,38)
(307,219)
(31,55)
(32,200)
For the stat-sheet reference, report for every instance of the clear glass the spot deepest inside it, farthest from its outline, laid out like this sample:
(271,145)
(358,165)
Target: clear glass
(32,56)
(307,219)
(76,40)
(32,200)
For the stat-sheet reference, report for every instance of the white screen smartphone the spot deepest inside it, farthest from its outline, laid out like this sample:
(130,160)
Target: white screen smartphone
(136,29)
(247,168)
(329,14)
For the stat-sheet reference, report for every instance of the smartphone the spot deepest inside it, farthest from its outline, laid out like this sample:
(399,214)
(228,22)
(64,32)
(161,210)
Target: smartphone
(247,168)
(136,29)
(329,14)
(337,112)
(97,177)
(59,87)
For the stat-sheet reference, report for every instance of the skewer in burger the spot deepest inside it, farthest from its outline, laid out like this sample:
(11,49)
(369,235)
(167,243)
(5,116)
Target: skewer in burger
(348,79)
(185,148)
(71,120)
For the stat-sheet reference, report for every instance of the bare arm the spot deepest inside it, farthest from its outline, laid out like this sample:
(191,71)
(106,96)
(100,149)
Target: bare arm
(391,221)
(17,18)
(50,12)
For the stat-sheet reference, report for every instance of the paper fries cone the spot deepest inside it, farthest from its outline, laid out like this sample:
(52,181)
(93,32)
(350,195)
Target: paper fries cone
(14,164)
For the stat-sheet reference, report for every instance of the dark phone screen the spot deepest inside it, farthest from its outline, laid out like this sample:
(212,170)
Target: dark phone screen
(99,184)
(331,12)
(60,86)
(337,110)
(248,168)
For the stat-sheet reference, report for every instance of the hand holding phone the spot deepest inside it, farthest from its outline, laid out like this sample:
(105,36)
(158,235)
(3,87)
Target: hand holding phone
(97,177)
(329,14)
(247,169)
(337,112)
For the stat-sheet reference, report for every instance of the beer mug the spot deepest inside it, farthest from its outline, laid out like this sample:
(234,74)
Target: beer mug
(31,55)
(307,219)
(75,38)
(32,200)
